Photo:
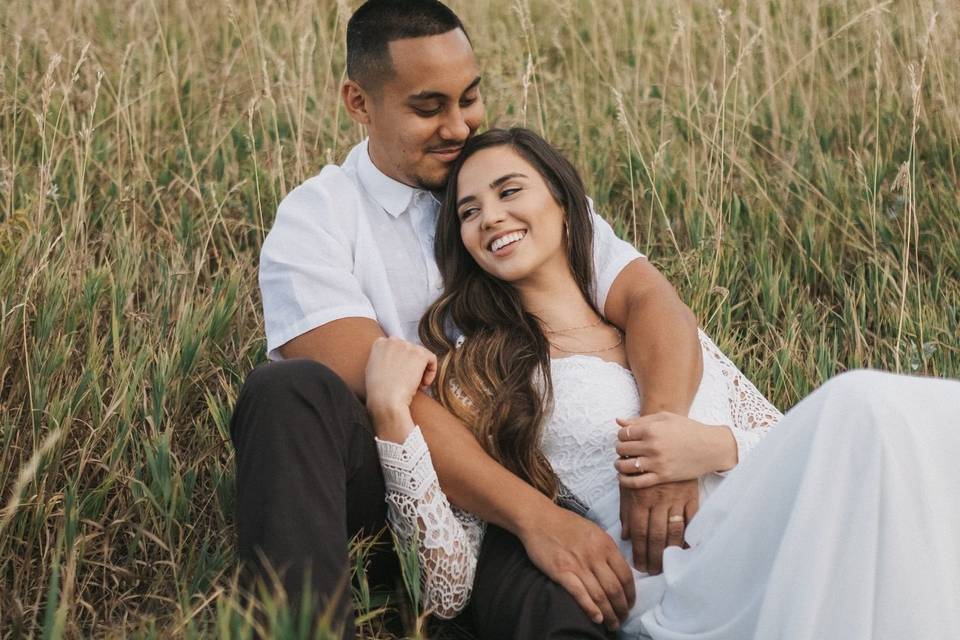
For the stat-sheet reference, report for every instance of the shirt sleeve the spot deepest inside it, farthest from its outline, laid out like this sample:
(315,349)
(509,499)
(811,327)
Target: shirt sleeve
(307,274)
(610,256)
(752,414)
(446,540)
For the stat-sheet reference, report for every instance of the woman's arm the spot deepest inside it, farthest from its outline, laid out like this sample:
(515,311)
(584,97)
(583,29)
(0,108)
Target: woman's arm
(667,447)
(447,542)
(420,515)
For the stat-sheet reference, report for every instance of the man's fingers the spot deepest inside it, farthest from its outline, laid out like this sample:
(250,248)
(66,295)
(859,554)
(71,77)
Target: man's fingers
(676,524)
(574,586)
(690,509)
(639,519)
(656,538)
(624,575)
(624,518)
(599,596)
(612,586)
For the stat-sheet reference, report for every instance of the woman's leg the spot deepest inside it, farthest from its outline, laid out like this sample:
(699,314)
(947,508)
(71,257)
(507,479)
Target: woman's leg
(842,524)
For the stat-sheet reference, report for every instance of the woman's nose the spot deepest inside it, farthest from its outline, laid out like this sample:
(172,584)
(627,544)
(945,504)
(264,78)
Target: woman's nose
(492,216)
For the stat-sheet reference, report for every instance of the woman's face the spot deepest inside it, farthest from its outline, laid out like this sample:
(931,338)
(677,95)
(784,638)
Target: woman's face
(509,221)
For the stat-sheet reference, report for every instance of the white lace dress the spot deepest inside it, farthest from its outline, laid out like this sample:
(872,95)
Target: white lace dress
(787,545)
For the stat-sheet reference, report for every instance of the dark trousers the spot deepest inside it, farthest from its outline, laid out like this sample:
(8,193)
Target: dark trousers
(309,479)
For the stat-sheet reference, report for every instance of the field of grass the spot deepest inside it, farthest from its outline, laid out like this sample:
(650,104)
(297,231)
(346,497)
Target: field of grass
(792,166)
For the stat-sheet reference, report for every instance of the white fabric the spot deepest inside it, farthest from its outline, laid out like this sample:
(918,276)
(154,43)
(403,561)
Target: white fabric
(842,523)
(447,539)
(352,242)
(579,439)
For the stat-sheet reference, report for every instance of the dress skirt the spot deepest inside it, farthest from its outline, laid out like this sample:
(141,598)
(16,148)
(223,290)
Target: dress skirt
(844,523)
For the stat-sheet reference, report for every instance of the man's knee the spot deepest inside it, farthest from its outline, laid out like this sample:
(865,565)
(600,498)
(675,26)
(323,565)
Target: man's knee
(512,598)
(290,396)
(273,380)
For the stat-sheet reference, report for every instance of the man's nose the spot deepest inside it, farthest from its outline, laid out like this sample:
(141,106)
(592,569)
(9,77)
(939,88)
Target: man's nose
(454,126)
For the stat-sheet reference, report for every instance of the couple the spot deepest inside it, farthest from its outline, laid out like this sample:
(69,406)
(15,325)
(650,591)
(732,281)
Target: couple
(351,258)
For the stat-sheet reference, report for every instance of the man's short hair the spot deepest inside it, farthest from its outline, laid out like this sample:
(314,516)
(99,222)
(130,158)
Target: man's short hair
(376,23)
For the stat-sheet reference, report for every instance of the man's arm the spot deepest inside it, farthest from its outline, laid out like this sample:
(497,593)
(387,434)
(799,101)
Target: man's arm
(661,337)
(664,354)
(568,548)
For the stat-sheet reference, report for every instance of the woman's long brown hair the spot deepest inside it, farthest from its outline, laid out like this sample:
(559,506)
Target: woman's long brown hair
(498,381)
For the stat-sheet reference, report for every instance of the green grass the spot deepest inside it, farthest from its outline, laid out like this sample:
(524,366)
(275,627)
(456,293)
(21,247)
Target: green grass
(792,166)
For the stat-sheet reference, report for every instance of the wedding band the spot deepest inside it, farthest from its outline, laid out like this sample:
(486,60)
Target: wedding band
(636,463)
(675,519)
(628,433)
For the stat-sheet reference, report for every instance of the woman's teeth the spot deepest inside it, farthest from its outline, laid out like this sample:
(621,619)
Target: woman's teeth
(503,241)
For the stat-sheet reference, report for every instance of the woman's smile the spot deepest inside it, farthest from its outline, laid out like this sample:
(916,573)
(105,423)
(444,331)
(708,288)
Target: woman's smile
(504,243)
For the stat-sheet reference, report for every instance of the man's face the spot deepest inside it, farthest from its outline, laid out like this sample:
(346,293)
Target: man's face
(421,117)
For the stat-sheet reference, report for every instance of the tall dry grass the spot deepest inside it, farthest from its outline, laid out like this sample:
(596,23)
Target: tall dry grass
(793,166)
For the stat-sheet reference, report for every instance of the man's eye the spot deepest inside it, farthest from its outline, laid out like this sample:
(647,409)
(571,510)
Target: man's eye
(466,102)
(426,113)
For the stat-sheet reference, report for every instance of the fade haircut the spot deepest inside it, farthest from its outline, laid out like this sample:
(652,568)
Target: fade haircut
(376,23)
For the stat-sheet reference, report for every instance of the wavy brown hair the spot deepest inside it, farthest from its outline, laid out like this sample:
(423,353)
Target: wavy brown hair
(498,381)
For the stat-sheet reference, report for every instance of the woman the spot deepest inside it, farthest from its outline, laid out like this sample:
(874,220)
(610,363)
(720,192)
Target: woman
(841,523)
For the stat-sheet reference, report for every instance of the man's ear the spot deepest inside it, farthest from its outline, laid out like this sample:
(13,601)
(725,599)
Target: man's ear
(356,101)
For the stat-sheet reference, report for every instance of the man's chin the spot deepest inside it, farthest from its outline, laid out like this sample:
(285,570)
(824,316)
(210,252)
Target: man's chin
(436,182)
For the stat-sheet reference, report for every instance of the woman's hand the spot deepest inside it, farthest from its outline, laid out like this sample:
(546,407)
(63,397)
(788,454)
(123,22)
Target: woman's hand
(666,447)
(396,370)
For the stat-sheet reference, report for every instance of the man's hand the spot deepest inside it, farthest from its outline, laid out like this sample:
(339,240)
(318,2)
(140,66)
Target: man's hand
(584,560)
(655,518)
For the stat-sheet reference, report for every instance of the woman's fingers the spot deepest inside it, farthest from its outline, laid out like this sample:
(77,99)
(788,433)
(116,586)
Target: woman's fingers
(430,368)
(630,448)
(640,480)
(634,465)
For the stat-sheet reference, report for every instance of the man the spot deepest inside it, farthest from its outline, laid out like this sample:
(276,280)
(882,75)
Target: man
(350,259)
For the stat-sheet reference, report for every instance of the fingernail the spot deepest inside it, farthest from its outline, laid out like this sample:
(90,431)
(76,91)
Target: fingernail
(598,618)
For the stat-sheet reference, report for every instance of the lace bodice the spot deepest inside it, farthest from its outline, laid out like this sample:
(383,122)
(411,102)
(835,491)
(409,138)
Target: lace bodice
(580,436)
(579,440)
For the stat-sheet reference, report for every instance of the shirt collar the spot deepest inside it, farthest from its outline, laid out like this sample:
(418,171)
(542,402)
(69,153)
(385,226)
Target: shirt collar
(395,197)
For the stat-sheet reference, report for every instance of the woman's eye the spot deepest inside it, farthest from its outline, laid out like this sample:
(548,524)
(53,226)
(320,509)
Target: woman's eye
(467,213)
(509,192)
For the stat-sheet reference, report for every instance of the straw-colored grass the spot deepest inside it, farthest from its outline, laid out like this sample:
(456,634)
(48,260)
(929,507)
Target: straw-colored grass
(792,166)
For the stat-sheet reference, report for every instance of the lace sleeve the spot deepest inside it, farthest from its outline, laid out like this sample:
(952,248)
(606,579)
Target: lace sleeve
(447,539)
(753,415)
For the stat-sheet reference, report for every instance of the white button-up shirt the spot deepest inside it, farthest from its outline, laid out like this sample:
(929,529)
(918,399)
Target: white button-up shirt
(353,242)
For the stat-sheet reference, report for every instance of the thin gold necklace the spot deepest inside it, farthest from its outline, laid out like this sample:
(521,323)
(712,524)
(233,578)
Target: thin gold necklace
(613,346)
(568,329)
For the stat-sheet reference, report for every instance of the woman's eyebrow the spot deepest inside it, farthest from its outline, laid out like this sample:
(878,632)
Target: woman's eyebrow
(499,181)
(493,185)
